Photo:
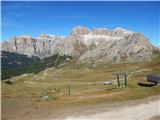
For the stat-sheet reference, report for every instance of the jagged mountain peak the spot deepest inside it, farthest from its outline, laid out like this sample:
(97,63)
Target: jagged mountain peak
(24,36)
(120,28)
(49,37)
(46,36)
(100,31)
(119,31)
(98,44)
(80,30)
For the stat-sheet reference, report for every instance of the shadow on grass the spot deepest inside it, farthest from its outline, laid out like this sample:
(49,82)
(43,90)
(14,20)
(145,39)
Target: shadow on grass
(109,89)
(146,84)
(8,82)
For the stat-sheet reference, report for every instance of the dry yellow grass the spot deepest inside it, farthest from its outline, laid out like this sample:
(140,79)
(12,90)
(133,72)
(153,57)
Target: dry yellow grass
(85,86)
(24,96)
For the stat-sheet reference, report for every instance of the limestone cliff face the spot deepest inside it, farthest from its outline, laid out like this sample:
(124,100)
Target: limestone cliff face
(96,46)
(133,48)
(43,46)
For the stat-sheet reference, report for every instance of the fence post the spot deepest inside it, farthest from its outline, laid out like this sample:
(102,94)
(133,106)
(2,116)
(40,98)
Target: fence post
(69,88)
(118,80)
(125,80)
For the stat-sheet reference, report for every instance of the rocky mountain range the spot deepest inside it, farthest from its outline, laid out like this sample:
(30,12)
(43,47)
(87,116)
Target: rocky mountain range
(96,46)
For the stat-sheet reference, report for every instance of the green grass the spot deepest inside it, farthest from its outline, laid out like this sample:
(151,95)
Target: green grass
(55,84)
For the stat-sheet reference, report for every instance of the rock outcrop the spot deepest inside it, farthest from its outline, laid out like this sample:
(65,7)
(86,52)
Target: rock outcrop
(97,46)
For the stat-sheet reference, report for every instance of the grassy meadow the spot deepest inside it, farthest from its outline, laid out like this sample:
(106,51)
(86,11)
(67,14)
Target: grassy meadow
(86,85)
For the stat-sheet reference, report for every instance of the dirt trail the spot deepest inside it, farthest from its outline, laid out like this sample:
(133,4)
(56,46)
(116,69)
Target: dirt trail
(89,83)
(143,111)
(140,109)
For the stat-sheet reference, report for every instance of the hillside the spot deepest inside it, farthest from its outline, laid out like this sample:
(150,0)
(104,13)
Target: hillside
(14,64)
(29,96)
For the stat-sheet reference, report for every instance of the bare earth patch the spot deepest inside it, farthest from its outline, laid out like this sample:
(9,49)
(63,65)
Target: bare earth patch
(142,109)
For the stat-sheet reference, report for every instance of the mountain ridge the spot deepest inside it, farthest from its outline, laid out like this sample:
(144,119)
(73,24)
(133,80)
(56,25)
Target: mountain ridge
(99,45)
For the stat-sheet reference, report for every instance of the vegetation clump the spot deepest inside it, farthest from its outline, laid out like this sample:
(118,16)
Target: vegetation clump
(14,64)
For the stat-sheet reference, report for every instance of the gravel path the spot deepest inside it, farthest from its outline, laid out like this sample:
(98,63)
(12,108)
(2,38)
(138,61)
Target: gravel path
(143,111)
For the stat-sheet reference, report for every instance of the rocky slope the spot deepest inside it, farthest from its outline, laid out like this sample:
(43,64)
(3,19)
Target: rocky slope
(96,46)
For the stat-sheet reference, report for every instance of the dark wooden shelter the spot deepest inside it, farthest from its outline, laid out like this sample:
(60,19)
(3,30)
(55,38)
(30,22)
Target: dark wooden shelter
(155,78)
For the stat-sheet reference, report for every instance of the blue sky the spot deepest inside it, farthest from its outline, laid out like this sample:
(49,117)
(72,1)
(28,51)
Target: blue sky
(35,18)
